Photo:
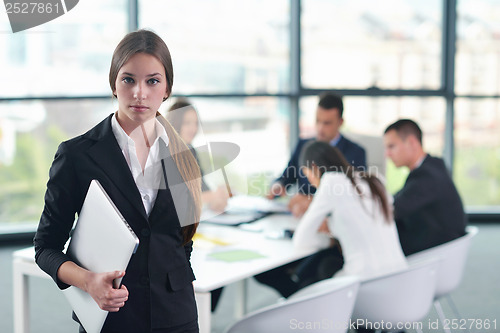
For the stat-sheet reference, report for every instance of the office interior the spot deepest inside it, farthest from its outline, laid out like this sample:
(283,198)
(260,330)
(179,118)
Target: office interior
(254,69)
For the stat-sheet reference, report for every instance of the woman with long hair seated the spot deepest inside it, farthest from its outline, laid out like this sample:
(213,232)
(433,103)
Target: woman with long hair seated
(354,208)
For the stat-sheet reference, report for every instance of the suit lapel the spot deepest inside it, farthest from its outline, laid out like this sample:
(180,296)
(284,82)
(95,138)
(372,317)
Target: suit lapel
(107,154)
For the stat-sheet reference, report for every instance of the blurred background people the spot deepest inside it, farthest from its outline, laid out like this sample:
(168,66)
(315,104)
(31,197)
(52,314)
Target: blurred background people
(349,207)
(428,209)
(328,122)
(184,118)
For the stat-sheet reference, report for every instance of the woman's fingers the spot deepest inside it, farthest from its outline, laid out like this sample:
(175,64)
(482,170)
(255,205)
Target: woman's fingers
(108,298)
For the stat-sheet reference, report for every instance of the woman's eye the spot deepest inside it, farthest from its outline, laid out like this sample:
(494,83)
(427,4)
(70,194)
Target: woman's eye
(153,81)
(128,80)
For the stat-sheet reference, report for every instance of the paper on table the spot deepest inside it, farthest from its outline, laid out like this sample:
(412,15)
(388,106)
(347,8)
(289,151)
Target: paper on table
(230,218)
(254,203)
(236,255)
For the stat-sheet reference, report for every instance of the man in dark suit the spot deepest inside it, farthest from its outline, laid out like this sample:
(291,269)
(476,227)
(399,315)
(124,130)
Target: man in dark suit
(328,122)
(428,209)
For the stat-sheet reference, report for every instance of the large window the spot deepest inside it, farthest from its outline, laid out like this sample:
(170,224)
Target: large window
(478,48)
(477,161)
(259,126)
(477,117)
(29,135)
(68,56)
(360,44)
(224,46)
(236,61)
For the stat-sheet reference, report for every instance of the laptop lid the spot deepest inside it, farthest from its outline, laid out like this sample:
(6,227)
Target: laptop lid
(102,241)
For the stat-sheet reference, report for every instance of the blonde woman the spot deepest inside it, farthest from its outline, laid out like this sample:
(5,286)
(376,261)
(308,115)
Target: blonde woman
(127,153)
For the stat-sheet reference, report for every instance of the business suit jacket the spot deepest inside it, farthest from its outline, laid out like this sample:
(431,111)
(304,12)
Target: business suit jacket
(159,276)
(353,153)
(428,209)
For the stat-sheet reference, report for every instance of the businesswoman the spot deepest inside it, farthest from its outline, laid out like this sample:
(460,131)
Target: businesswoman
(358,213)
(137,157)
(184,119)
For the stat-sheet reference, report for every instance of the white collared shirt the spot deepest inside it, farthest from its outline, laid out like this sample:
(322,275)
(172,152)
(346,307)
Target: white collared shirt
(335,140)
(148,182)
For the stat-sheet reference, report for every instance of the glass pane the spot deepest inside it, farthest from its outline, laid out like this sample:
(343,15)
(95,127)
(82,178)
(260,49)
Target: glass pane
(69,56)
(223,46)
(29,135)
(359,44)
(478,47)
(370,116)
(477,151)
(260,128)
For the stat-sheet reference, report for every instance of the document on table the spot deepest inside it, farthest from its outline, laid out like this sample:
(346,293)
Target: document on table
(235,255)
(230,218)
(255,203)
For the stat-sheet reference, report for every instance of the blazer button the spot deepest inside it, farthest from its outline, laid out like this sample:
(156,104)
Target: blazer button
(145,232)
(145,280)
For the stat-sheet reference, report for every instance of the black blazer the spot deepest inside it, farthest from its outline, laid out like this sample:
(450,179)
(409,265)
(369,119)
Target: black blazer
(428,209)
(354,154)
(159,276)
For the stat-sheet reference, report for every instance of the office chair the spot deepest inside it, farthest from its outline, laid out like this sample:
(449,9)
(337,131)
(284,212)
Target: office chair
(451,269)
(325,306)
(400,298)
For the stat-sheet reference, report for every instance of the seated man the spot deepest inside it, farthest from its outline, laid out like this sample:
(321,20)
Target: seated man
(328,121)
(428,209)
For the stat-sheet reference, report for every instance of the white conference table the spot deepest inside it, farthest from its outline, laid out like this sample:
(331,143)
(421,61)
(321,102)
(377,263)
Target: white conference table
(230,243)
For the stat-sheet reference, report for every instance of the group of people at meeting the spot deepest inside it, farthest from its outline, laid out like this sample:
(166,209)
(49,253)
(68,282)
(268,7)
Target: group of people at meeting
(346,213)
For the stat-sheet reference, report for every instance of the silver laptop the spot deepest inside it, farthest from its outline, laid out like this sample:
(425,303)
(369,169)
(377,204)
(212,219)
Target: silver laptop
(101,242)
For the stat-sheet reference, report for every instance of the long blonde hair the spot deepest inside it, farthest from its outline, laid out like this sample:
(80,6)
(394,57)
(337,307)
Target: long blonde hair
(145,41)
(190,173)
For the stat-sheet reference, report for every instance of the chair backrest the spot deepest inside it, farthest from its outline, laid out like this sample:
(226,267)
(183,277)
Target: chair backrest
(374,148)
(325,306)
(400,297)
(453,256)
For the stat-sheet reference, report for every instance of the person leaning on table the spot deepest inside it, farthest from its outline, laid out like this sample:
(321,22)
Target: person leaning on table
(184,119)
(428,209)
(122,152)
(358,214)
(349,206)
(329,119)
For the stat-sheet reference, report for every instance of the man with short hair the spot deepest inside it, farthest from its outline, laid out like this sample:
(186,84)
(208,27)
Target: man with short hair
(428,209)
(328,122)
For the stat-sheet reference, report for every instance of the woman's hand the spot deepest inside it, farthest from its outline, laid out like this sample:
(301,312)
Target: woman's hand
(299,203)
(100,287)
(276,190)
(218,201)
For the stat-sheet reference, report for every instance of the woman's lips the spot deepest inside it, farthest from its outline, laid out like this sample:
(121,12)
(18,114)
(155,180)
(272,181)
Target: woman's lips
(139,108)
